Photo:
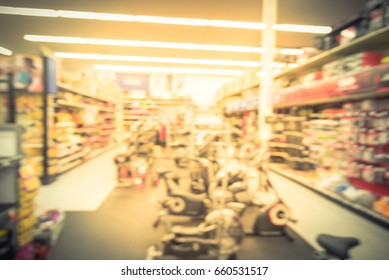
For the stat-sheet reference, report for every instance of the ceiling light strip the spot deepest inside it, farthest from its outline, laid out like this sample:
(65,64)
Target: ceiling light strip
(150,44)
(28,12)
(149,69)
(5,51)
(303,28)
(90,56)
(161,20)
(124,58)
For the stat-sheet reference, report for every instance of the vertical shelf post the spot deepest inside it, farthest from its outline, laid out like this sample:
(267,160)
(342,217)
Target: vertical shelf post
(11,99)
(46,177)
(269,16)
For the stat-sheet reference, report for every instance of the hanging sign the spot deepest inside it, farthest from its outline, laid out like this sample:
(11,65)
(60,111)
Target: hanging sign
(132,81)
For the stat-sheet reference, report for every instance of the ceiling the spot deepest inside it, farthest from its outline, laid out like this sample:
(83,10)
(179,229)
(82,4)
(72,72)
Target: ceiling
(311,12)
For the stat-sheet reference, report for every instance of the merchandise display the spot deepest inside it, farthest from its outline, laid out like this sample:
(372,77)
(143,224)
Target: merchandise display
(81,127)
(372,18)
(29,184)
(330,131)
(47,229)
(190,137)
(10,161)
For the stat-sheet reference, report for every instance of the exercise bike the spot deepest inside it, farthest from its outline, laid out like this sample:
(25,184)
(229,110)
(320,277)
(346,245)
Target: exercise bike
(266,219)
(193,204)
(218,237)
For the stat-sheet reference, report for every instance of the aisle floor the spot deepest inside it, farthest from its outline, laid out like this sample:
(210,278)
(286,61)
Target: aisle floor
(83,188)
(121,226)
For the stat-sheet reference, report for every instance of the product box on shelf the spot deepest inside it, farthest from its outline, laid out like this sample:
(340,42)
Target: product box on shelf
(29,184)
(374,79)
(381,77)
(346,31)
(352,63)
(47,230)
(377,13)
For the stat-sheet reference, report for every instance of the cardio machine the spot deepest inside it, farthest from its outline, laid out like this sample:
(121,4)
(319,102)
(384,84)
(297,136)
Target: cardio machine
(218,237)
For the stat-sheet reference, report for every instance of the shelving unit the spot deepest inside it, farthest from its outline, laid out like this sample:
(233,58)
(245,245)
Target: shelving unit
(84,126)
(372,41)
(10,160)
(333,100)
(171,111)
(331,123)
(301,178)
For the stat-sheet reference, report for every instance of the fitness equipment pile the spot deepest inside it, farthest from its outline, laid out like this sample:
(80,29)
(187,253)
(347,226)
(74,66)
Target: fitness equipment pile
(218,199)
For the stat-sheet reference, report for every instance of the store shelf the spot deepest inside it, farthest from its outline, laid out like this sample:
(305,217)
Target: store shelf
(21,92)
(8,161)
(159,101)
(358,209)
(4,207)
(74,156)
(86,157)
(332,100)
(69,167)
(68,153)
(84,106)
(65,145)
(32,145)
(72,90)
(65,124)
(369,41)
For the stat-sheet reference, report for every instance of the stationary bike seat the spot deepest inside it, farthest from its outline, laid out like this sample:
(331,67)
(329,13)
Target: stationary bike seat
(337,246)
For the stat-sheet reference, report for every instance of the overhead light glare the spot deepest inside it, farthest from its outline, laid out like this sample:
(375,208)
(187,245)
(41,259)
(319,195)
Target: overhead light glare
(237,24)
(303,28)
(28,12)
(161,20)
(150,44)
(89,56)
(5,51)
(98,16)
(129,43)
(149,69)
(172,20)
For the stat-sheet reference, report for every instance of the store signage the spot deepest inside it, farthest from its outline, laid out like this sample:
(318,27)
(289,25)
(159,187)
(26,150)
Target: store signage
(132,81)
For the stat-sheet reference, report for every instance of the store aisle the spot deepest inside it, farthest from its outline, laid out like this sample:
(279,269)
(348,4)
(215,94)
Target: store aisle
(120,229)
(83,188)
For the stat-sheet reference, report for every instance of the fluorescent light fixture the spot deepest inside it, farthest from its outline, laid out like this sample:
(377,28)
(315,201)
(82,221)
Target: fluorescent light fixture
(5,51)
(172,20)
(161,20)
(28,12)
(303,28)
(150,44)
(89,56)
(237,24)
(98,16)
(129,43)
(149,69)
